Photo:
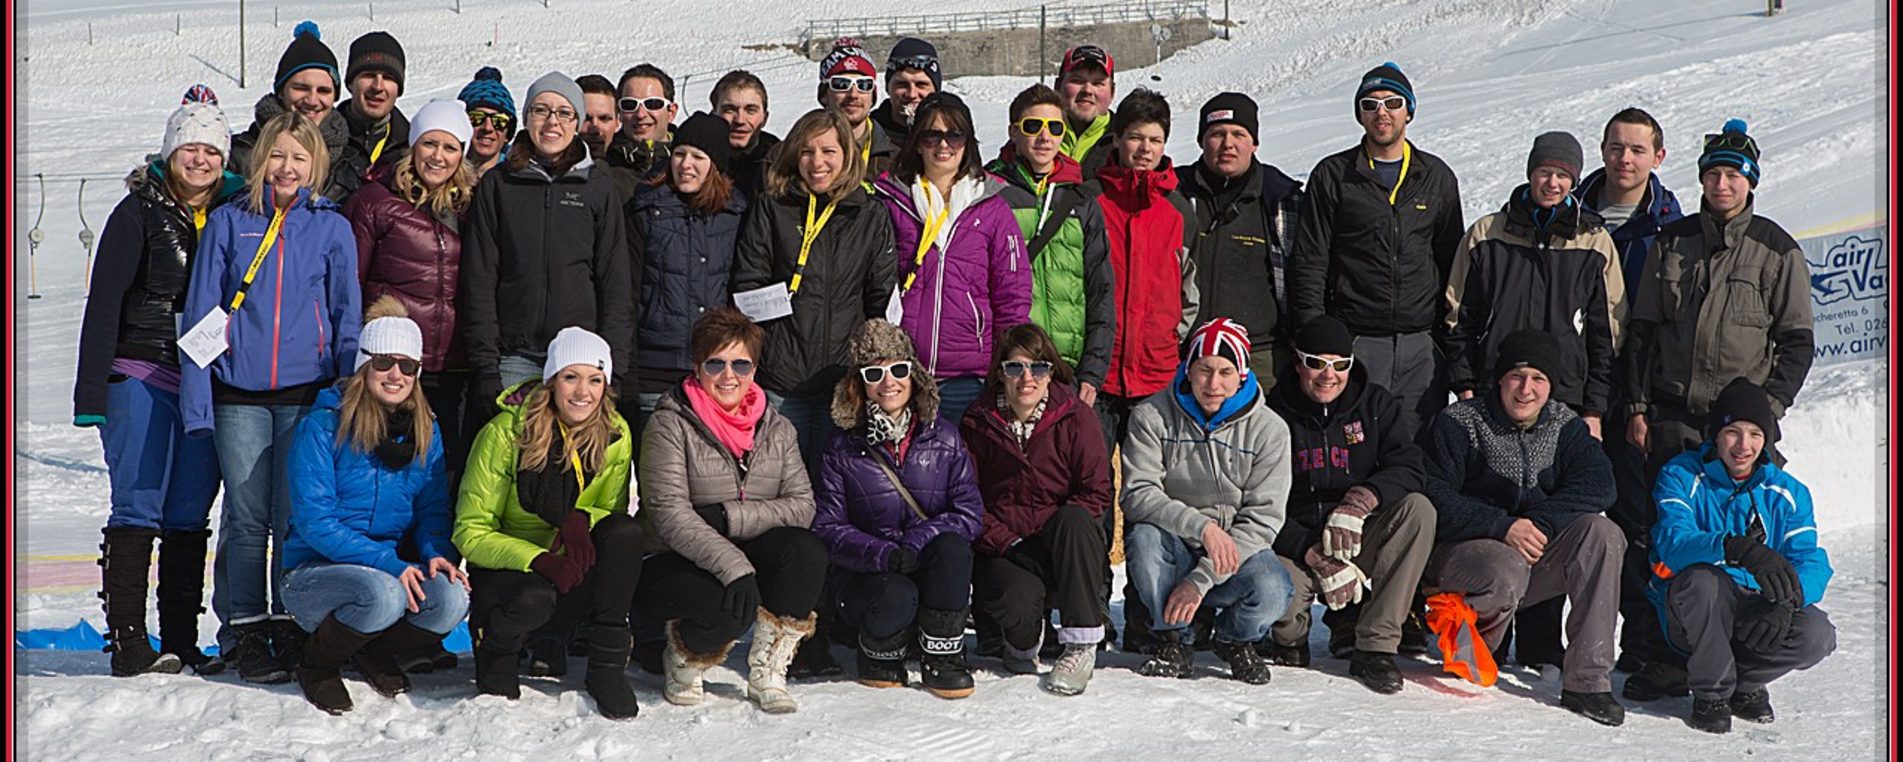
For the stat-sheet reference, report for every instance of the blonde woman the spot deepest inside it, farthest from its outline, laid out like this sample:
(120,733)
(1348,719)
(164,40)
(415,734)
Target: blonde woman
(367,470)
(543,518)
(277,269)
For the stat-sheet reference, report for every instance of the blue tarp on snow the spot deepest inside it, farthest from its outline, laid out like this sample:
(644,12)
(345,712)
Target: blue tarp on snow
(83,637)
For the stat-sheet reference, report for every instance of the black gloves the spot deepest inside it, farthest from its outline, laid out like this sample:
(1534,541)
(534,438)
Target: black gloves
(715,515)
(1777,580)
(902,560)
(1762,624)
(743,596)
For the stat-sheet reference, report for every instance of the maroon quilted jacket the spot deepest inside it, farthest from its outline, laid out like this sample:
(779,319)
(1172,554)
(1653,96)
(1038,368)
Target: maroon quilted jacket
(407,252)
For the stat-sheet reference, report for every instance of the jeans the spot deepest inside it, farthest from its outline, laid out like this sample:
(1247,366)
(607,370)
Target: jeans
(1248,603)
(515,369)
(254,450)
(161,479)
(957,394)
(370,600)
(812,418)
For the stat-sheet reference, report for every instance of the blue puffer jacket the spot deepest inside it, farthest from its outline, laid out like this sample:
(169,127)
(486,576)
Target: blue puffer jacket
(860,515)
(1634,237)
(298,324)
(681,260)
(1700,505)
(350,508)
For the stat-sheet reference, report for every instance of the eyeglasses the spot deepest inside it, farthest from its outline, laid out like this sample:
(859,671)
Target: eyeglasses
(651,103)
(498,122)
(561,115)
(404,365)
(1016,368)
(1032,125)
(921,63)
(842,84)
(1318,362)
(952,138)
(873,374)
(1391,103)
(1731,140)
(714,366)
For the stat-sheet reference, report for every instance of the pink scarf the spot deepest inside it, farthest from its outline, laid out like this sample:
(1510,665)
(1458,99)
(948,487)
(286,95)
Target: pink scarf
(735,430)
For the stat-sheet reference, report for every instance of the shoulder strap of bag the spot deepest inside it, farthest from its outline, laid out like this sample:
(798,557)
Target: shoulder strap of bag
(904,493)
(1060,211)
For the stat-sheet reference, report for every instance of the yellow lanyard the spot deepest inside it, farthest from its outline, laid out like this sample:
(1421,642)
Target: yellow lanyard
(251,273)
(574,460)
(808,235)
(378,151)
(926,237)
(198,219)
(1407,157)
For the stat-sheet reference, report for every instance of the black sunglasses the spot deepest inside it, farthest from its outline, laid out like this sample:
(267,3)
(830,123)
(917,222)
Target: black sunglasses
(873,374)
(1032,125)
(651,103)
(1016,368)
(842,84)
(714,366)
(404,365)
(952,138)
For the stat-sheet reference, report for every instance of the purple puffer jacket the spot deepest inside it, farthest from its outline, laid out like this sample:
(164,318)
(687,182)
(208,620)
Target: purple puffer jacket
(862,518)
(962,297)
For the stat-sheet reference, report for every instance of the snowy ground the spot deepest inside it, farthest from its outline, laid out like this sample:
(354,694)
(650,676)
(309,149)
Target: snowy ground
(1489,73)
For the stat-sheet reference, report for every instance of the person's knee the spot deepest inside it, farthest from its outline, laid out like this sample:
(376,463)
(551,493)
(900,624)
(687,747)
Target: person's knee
(946,547)
(1488,571)
(1144,541)
(1601,538)
(1414,510)
(1071,517)
(381,600)
(445,603)
(796,547)
(1816,637)
(1265,576)
(618,532)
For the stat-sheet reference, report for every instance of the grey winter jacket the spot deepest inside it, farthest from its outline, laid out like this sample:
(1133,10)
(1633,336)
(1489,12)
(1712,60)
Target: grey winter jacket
(683,466)
(1179,477)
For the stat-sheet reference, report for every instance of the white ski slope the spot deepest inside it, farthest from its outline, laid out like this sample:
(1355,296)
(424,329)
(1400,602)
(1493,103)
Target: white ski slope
(1490,74)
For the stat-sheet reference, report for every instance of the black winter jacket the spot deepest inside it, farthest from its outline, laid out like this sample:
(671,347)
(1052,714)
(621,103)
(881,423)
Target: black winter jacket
(365,136)
(343,179)
(848,278)
(747,167)
(1380,267)
(632,164)
(1243,237)
(1484,473)
(681,262)
(1354,442)
(542,253)
(138,282)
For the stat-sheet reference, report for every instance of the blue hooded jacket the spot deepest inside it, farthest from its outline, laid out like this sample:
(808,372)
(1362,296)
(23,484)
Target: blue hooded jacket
(299,321)
(350,508)
(1700,505)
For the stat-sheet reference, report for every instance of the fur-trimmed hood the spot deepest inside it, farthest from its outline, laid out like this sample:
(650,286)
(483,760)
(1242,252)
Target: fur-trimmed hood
(873,341)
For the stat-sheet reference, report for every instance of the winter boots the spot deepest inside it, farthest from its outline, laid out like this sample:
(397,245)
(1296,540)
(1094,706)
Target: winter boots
(1598,707)
(287,642)
(1710,715)
(1659,678)
(882,661)
(607,679)
(1752,706)
(1375,670)
(1281,655)
(321,656)
(125,559)
(1171,657)
(182,597)
(775,639)
(497,673)
(684,668)
(379,661)
(941,641)
(1244,663)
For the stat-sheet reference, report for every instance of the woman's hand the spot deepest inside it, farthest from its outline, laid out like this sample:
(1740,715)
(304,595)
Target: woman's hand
(412,579)
(441,564)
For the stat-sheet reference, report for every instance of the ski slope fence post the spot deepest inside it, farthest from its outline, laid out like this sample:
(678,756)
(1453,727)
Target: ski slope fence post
(85,238)
(33,239)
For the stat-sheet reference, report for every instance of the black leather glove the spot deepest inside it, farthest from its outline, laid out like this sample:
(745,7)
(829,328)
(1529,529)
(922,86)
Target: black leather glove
(902,560)
(1777,580)
(715,514)
(560,570)
(743,596)
(1762,624)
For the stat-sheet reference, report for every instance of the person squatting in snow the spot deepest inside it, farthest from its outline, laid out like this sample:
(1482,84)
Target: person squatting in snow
(958,430)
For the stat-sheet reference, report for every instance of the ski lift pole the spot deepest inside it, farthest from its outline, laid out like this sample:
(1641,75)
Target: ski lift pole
(86,236)
(33,238)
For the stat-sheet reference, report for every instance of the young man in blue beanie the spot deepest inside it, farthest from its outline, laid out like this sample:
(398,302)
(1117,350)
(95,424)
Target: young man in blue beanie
(911,73)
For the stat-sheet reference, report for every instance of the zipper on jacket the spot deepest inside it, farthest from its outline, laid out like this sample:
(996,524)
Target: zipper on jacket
(277,314)
(442,262)
(317,311)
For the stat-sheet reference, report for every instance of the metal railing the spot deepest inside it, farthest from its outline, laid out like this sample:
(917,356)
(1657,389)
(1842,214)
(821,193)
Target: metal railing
(1022,18)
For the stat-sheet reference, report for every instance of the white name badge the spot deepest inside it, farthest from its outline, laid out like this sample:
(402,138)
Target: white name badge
(206,340)
(765,303)
(894,308)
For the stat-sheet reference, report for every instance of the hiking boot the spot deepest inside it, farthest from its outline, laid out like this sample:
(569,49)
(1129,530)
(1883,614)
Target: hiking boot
(1375,670)
(1171,658)
(1071,674)
(497,673)
(1244,663)
(1752,706)
(251,653)
(814,658)
(882,661)
(287,642)
(1629,662)
(1281,655)
(942,668)
(1341,629)
(1658,679)
(320,658)
(378,662)
(1710,715)
(1598,707)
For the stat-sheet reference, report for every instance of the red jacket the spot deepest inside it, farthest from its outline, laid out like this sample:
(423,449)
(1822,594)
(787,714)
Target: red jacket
(1065,464)
(1149,226)
(406,252)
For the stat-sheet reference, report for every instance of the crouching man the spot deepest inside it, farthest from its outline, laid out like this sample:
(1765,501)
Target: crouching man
(1205,489)
(1521,486)
(1738,570)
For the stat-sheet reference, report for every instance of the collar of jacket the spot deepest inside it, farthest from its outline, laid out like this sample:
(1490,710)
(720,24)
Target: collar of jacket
(1059,403)
(1653,207)
(665,198)
(1417,168)
(1722,234)
(335,128)
(1288,399)
(1570,218)
(149,182)
(888,186)
(362,129)
(1247,396)
(1554,415)
(1137,184)
(624,151)
(675,398)
(1064,170)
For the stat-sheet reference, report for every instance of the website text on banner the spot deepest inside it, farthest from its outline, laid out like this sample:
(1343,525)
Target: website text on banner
(1850,294)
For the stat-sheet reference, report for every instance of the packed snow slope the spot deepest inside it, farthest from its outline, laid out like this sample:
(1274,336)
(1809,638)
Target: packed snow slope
(1490,74)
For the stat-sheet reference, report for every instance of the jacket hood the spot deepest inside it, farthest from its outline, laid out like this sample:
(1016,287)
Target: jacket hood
(1126,183)
(331,398)
(335,128)
(1247,397)
(890,188)
(1569,219)
(1288,396)
(1065,171)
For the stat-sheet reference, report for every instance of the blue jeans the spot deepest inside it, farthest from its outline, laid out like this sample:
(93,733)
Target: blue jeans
(811,416)
(161,479)
(515,369)
(957,394)
(254,450)
(369,600)
(1248,603)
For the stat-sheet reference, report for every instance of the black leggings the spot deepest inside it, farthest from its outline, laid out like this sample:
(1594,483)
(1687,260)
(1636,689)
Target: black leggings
(789,565)
(1061,567)
(506,606)
(885,604)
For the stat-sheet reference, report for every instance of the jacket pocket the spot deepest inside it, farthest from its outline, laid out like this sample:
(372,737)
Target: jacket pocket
(1744,303)
(977,320)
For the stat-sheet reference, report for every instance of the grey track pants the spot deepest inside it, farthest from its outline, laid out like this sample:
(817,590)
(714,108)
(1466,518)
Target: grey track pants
(1702,607)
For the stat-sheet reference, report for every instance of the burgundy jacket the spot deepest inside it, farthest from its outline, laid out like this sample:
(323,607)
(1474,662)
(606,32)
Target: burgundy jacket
(1064,464)
(407,252)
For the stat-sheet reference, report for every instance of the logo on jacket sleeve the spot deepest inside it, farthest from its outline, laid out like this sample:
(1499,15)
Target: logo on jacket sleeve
(1351,431)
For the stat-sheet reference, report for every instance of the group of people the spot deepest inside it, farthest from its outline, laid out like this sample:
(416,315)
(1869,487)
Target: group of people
(598,380)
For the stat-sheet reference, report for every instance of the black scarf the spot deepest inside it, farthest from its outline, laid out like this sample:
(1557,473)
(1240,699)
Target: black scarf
(551,492)
(398,448)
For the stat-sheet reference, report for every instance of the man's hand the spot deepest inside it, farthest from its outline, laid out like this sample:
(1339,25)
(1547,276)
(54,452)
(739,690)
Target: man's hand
(1465,394)
(1527,539)
(1087,393)
(1182,604)
(1592,425)
(1638,432)
(1221,549)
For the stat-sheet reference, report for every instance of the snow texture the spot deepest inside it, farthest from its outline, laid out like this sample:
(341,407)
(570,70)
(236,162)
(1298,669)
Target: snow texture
(1490,74)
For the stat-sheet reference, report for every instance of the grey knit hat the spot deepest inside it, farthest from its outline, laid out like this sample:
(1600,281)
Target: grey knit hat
(559,84)
(1559,150)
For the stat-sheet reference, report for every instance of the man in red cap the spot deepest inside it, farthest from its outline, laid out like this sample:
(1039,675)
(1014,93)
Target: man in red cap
(848,81)
(1087,81)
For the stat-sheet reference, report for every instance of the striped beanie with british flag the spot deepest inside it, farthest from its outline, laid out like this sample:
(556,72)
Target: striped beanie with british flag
(1223,338)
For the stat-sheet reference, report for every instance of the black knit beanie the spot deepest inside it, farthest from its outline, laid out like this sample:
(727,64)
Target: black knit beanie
(1743,401)
(376,51)
(1228,108)
(709,134)
(1528,348)
(307,50)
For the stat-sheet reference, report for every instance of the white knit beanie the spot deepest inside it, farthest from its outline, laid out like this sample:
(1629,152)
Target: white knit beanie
(578,346)
(389,336)
(448,116)
(197,123)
